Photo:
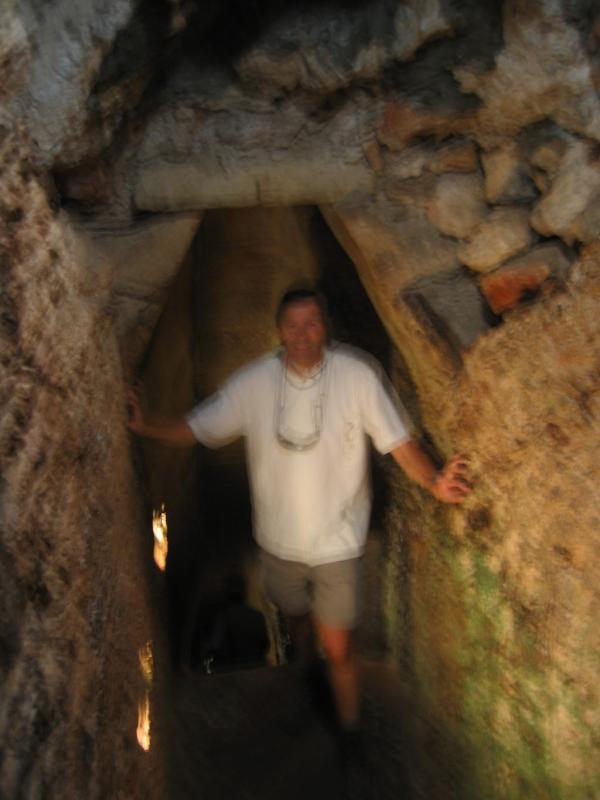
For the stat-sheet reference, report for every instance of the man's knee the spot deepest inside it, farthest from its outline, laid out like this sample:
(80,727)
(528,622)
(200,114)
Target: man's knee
(338,645)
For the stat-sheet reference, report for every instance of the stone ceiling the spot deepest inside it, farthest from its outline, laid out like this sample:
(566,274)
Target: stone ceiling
(451,145)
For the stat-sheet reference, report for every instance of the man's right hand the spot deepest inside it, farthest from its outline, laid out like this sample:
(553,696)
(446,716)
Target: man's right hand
(174,432)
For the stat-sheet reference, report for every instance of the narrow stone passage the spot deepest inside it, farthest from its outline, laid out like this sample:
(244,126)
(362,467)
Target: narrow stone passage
(250,734)
(263,733)
(254,735)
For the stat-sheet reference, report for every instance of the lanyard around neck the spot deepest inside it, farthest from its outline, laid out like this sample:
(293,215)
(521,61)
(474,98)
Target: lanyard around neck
(320,379)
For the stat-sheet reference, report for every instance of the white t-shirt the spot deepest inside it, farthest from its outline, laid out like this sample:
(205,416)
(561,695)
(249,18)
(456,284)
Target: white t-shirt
(310,505)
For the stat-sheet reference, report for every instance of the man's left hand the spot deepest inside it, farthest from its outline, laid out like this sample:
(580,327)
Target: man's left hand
(450,484)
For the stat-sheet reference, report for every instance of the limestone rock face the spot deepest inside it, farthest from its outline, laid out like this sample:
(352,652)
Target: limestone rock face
(389,247)
(453,302)
(401,241)
(542,72)
(408,163)
(75,607)
(417,192)
(404,122)
(14,49)
(76,69)
(506,176)
(318,50)
(139,263)
(458,205)
(64,60)
(190,186)
(503,233)
(214,149)
(571,207)
(526,409)
(458,156)
(549,154)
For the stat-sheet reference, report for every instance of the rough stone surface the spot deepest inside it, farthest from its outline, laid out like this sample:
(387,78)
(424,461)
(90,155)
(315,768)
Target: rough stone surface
(522,277)
(319,50)
(76,603)
(506,175)
(178,187)
(545,157)
(543,71)
(571,207)
(503,233)
(458,205)
(139,262)
(508,578)
(215,149)
(458,156)
(417,192)
(65,47)
(549,154)
(389,247)
(405,121)
(401,241)
(408,163)
(77,69)
(374,156)
(14,49)
(454,304)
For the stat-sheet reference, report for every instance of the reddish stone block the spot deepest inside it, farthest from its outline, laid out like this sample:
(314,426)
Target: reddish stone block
(459,156)
(404,121)
(516,279)
(504,289)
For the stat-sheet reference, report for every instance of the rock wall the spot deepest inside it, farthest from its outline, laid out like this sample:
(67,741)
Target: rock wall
(76,606)
(490,606)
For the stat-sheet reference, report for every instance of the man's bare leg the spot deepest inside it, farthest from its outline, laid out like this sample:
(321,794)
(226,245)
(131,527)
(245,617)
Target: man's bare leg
(342,661)
(302,636)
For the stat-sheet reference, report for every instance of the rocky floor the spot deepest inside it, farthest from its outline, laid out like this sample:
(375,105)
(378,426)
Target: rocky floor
(257,735)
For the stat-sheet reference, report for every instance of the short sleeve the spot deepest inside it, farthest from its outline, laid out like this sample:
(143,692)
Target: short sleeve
(218,420)
(384,417)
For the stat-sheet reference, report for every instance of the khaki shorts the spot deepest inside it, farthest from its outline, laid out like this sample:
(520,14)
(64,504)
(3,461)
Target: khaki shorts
(332,593)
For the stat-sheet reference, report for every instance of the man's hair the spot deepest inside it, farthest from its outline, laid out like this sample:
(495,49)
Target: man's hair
(301,294)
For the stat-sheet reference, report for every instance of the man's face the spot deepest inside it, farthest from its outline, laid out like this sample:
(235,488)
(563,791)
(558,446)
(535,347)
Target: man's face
(303,333)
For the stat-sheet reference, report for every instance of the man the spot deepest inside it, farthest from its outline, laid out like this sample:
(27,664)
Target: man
(304,412)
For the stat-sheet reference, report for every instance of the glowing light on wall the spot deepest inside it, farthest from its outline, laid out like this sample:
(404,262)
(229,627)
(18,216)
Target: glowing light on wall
(161,542)
(143,726)
(146,660)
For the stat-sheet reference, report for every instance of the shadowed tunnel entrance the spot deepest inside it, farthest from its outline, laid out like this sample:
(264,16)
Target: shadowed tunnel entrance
(220,314)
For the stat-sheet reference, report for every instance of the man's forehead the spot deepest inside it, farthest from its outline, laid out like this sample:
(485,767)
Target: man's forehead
(308,303)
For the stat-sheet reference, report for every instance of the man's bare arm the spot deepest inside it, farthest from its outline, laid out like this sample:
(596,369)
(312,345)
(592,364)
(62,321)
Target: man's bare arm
(175,432)
(447,485)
